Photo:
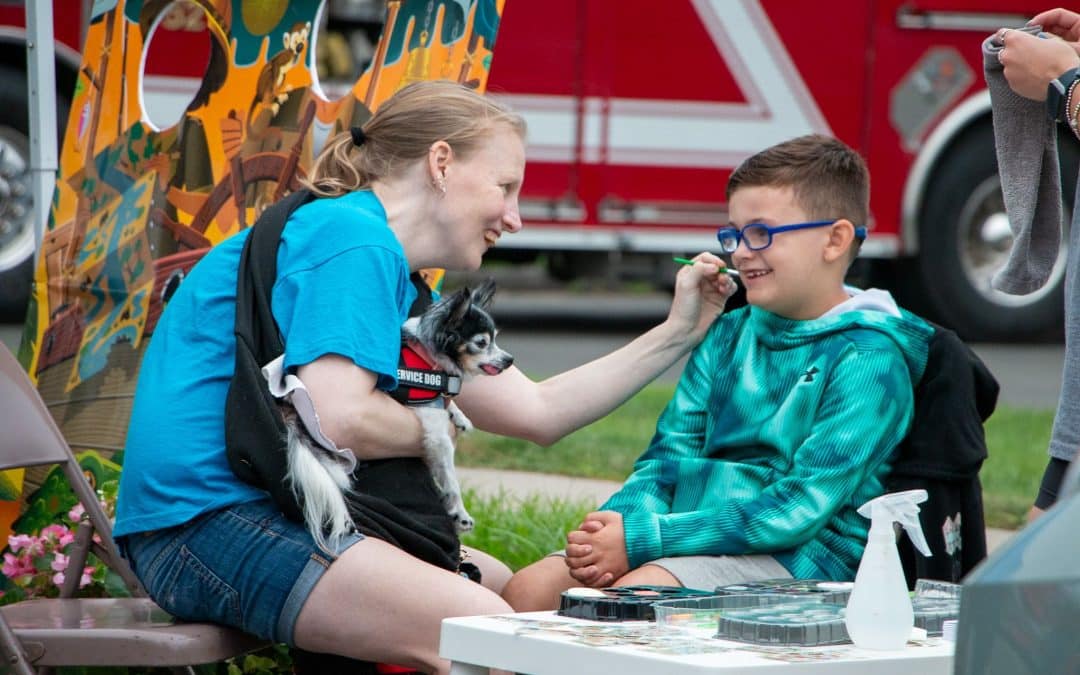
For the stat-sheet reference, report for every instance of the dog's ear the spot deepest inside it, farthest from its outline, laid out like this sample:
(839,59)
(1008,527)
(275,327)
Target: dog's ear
(482,296)
(449,310)
(458,305)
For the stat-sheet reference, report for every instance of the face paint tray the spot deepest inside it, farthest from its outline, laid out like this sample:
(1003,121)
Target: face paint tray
(803,622)
(620,603)
(701,616)
(935,602)
(812,620)
(826,591)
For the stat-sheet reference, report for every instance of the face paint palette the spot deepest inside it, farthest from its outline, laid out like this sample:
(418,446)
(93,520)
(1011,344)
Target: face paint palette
(620,603)
(700,616)
(823,591)
(806,622)
(935,602)
(814,613)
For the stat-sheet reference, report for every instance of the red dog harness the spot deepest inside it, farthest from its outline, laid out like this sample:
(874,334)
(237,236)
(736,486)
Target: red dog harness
(420,382)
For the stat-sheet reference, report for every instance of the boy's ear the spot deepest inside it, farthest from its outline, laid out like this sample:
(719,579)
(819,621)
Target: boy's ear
(841,237)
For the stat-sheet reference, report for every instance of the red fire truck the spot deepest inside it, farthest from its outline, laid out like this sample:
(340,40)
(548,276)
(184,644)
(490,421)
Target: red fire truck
(638,111)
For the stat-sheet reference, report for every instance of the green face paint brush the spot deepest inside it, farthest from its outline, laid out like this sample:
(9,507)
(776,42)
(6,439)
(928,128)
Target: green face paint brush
(723,270)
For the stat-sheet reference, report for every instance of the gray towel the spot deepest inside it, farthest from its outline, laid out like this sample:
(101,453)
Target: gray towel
(1026,142)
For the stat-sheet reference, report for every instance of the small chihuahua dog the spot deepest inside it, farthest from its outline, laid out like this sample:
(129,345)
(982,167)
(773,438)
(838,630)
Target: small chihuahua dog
(456,338)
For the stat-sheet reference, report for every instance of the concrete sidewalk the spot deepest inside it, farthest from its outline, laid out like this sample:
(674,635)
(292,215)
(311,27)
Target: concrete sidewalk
(520,484)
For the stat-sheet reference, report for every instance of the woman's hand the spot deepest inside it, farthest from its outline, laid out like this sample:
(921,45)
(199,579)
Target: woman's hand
(1030,62)
(701,290)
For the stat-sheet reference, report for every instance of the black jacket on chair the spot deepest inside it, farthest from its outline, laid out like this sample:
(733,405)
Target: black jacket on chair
(942,454)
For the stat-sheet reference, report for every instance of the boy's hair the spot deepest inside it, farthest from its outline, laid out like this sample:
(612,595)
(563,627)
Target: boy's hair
(403,129)
(828,178)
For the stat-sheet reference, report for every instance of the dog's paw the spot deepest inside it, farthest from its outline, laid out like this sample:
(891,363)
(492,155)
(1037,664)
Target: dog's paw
(460,421)
(458,418)
(463,522)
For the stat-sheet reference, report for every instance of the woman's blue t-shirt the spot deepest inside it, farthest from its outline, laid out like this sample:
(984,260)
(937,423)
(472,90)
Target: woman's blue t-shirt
(342,288)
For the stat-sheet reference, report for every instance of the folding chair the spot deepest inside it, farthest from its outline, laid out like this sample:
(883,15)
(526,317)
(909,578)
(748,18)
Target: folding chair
(67,631)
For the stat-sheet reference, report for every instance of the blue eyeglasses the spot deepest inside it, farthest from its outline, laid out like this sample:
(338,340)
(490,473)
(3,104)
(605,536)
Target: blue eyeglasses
(758,236)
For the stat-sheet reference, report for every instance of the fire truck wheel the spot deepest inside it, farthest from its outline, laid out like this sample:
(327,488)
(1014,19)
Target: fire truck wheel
(16,204)
(965,239)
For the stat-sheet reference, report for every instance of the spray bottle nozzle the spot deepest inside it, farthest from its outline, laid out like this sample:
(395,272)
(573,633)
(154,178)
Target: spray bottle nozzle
(899,507)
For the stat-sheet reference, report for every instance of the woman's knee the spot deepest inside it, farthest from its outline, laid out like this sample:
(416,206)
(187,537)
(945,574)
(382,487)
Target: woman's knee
(377,602)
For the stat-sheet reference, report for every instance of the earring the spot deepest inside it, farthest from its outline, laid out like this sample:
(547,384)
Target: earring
(441,184)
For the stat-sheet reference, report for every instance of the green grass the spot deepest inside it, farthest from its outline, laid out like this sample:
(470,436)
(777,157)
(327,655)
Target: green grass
(521,531)
(1016,439)
(606,449)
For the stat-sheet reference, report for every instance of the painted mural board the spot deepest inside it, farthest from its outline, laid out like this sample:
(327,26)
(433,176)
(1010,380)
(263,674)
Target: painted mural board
(136,206)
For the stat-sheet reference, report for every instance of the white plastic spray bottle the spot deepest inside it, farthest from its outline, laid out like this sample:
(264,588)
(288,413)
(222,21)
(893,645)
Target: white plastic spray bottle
(879,613)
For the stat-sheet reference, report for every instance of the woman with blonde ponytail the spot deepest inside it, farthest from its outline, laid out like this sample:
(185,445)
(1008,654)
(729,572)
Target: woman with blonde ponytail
(431,180)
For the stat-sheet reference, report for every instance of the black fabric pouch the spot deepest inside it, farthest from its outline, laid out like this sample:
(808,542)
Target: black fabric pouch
(255,439)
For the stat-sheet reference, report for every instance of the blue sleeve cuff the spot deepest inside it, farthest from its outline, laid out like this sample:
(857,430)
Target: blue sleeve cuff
(641,531)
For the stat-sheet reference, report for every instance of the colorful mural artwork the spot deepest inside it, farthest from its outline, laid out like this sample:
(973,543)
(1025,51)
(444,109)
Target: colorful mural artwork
(137,206)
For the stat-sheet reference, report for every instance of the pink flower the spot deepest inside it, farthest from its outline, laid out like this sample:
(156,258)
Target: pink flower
(58,579)
(15,567)
(86,580)
(58,533)
(32,545)
(76,513)
(59,563)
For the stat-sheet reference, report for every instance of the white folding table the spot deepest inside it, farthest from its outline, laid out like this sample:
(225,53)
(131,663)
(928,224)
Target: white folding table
(542,643)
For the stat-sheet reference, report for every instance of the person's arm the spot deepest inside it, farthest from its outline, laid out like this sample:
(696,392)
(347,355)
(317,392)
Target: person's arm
(511,404)
(356,415)
(596,552)
(680,433)
(1051,484)
(340,313)
(852,435)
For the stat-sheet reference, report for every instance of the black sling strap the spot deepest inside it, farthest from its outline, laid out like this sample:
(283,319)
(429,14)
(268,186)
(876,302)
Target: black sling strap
(254,429)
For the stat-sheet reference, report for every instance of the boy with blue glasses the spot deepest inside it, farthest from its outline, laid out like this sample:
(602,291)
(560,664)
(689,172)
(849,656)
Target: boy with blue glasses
(787,415)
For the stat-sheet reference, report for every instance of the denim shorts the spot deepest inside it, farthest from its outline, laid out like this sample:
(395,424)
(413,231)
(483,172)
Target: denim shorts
(245,566)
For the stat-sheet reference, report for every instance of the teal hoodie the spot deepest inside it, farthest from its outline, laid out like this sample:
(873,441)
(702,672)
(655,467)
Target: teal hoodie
(777,432)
